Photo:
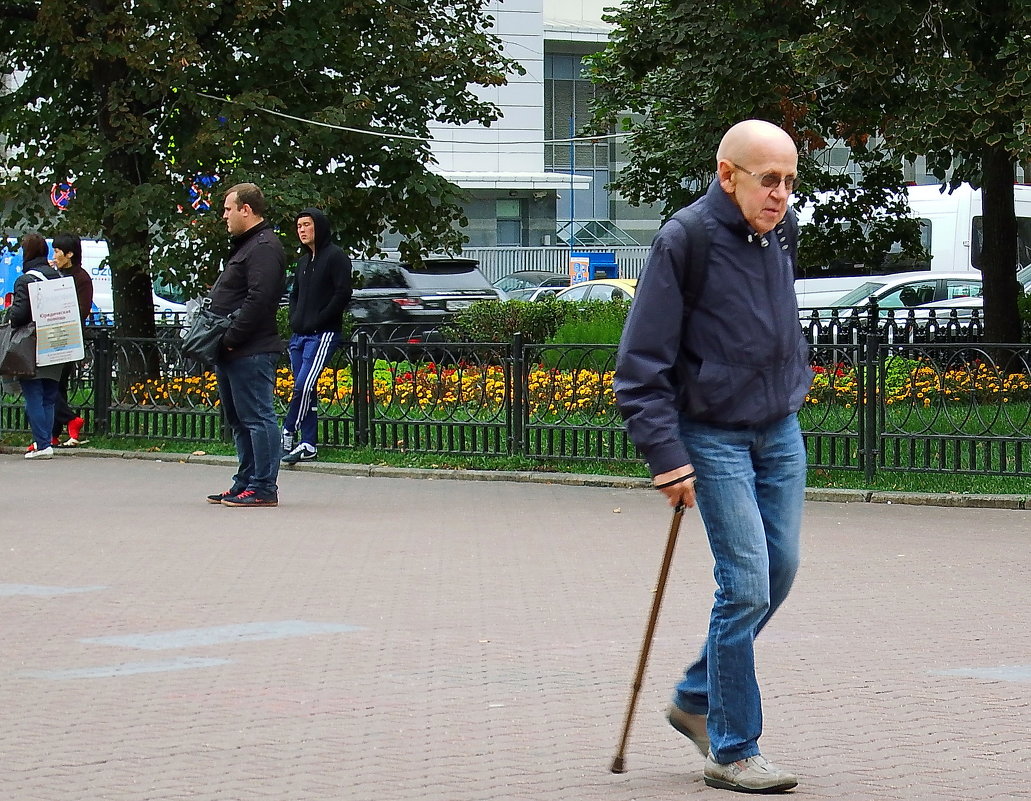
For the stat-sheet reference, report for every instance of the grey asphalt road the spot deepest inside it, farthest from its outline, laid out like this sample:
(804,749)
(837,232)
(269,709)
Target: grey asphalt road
(378,638)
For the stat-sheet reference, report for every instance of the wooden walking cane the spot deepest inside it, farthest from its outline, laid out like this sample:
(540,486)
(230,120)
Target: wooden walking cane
(660,588)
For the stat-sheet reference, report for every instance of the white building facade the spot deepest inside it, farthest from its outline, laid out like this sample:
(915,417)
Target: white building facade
(526,189)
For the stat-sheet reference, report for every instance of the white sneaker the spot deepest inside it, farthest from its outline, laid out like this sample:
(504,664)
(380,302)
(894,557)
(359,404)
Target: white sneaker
(46,453)
(302,453)
(752,775)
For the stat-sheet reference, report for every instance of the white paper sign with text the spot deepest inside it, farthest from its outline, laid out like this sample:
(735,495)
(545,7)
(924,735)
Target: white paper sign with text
(55,310)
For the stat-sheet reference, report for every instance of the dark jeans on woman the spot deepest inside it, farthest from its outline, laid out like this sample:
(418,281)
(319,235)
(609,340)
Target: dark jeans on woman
(40,395)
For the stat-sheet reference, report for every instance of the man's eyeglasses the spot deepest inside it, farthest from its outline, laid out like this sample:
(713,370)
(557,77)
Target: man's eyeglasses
(771,180)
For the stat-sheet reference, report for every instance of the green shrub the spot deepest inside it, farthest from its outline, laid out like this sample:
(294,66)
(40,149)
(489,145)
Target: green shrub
(491,321)
(1023,308)
(899,372)
(593,318)
(283,322)
(598,322)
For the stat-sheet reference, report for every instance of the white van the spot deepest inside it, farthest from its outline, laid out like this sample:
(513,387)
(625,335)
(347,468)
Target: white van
(951,232)
(94,251)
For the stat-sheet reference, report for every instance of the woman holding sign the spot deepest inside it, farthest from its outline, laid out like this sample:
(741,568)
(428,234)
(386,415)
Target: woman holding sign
(68,261)
(40,392)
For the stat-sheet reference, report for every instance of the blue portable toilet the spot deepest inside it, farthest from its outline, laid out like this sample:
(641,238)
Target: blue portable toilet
(589,265)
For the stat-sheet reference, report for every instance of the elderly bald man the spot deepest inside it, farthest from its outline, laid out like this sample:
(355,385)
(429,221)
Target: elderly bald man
(711,373)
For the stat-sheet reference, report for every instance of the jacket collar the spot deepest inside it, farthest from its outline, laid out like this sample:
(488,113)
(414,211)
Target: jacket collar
(241,239)
(38,263)
(725,210)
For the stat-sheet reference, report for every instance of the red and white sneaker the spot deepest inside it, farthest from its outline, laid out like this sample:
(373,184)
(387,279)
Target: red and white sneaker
(75,430)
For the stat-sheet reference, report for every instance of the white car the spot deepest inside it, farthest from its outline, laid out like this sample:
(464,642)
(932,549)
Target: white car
(903,291)
(965,306)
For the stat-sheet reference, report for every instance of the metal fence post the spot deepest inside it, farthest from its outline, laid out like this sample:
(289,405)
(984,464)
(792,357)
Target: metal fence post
(361,390)
(516,408)
(102,376)
(872,399)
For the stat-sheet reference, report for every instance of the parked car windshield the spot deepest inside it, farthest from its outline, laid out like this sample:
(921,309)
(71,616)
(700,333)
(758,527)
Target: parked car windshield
(166,291)
(859,294)
(531,280)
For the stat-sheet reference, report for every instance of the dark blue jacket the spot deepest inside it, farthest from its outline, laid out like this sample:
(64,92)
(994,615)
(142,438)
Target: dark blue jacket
(737,358)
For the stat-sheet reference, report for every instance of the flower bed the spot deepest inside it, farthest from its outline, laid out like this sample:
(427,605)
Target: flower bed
(430,387)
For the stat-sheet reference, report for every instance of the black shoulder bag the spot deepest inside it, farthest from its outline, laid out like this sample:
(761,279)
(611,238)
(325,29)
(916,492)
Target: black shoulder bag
(203,339)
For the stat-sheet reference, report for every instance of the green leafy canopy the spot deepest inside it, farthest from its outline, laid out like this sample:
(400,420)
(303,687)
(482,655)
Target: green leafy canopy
(677,75)
(111,95)
(948,80)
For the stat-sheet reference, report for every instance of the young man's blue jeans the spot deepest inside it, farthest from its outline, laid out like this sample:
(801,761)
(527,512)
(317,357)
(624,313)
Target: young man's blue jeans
(750,486)
(245,388)
(40,396)
(308,356)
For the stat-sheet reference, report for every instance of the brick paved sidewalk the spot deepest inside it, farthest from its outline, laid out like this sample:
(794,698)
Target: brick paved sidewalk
(415,639)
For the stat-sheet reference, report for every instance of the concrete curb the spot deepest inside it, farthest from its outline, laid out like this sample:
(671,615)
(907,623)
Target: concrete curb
(956,500)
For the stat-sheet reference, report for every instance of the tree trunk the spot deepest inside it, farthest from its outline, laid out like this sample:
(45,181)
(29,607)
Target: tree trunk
(137,357)
(131,285)
(999,248)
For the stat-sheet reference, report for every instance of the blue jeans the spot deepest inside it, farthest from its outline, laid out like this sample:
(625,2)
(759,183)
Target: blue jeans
(40,396)
(245,388)
(308,356)
(750,488)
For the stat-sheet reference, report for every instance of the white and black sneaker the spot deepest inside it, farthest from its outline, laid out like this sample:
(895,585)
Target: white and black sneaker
(288,440)
(302,453)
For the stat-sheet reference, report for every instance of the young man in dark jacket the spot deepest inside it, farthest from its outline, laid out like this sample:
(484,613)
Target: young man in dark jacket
(250,285)
(710,391)
(321,292)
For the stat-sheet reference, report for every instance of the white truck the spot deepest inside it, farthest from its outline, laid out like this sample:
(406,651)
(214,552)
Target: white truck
(951,232)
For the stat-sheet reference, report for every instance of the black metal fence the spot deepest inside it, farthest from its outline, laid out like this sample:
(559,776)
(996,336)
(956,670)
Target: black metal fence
(878,402)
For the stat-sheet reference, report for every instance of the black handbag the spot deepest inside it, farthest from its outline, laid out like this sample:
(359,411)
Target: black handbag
(203,339)
(18,350)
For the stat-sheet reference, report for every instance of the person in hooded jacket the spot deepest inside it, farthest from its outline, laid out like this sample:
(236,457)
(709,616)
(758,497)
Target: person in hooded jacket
(320,293)
(40,392)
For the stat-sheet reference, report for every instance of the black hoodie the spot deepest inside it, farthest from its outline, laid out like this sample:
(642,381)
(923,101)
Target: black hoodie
(322,287)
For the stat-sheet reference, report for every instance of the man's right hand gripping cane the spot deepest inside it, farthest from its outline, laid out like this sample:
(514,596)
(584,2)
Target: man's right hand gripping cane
(677,485)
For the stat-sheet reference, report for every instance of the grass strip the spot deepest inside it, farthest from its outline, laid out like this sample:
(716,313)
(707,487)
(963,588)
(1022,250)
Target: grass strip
(902,481)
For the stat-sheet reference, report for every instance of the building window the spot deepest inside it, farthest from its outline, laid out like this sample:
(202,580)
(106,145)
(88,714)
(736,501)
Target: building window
(511,213)
(567,97)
